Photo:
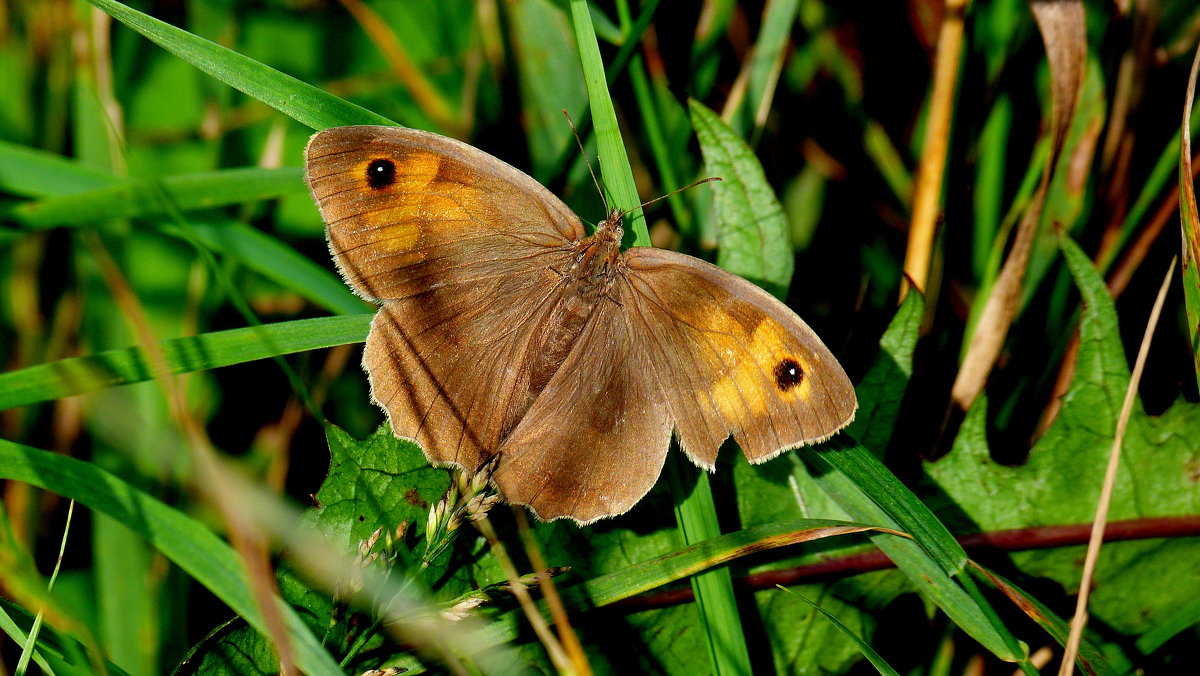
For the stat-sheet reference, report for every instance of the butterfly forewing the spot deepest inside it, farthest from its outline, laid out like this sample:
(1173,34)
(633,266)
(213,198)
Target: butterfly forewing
(407,210)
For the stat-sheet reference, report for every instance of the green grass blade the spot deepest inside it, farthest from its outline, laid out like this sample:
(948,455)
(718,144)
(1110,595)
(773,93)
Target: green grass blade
(696,514)
(766,63)
(58,654)
(184,541)
(881,391)
(30,645)
(1090,659)
(614,162)
(134,198)
(294,98)
(993,152)
(870,493)
(67,377)
(704,555)
(280,263)
(888,161)
(20,637)
(691,560)
(865,648)
(716,604)
(36,173)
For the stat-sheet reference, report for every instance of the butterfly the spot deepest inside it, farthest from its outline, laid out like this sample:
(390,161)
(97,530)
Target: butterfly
(506,334)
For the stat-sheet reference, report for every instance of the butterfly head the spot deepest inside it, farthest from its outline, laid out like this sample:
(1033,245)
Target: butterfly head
(611,229)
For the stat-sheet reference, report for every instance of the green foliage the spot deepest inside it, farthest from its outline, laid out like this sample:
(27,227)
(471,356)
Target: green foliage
(173,150)
(1059,483)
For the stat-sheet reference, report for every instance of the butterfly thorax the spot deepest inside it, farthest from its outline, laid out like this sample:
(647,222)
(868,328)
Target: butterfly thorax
(587,282)
(599,260)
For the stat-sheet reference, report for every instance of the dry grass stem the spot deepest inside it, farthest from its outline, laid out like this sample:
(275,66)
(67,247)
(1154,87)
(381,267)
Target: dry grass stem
(1079,621)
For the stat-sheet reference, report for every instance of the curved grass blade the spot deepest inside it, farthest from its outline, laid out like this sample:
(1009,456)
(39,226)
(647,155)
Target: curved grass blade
(1190,222)
(296,99)
(36,173)
(279,263)
(184,541)
(134,198)
(865,648)
(704,555)
(67,377)
(870,493)
(1090,657)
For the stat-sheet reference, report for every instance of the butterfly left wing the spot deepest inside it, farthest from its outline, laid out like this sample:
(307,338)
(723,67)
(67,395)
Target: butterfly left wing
(732,359)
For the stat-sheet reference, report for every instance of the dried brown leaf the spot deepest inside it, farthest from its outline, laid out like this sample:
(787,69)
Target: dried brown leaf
(1064,33)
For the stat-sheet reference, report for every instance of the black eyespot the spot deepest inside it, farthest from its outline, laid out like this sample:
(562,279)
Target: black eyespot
(788,374)
(381,173)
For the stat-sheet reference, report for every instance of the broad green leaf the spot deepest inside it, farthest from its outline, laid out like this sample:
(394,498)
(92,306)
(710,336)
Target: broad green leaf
(1060,481)
(294,98)
(67,377)
(232,649)
(883,388)
(380,481)
(754,238)
(183,540)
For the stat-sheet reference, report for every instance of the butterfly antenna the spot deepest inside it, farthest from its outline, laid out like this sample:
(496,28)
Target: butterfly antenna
(583,152)
(677,190)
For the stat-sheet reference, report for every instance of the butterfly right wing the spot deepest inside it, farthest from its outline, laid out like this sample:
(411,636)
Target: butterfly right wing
(462,251)
(733,359)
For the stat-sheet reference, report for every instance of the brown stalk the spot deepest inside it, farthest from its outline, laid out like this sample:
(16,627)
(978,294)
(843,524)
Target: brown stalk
(210,481)
(1017,539)
(1110,479)
(1063,31)
(927,196)
(562,623)
(553,648)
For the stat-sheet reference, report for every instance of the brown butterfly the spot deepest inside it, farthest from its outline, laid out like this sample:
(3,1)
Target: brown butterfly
(504,330)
